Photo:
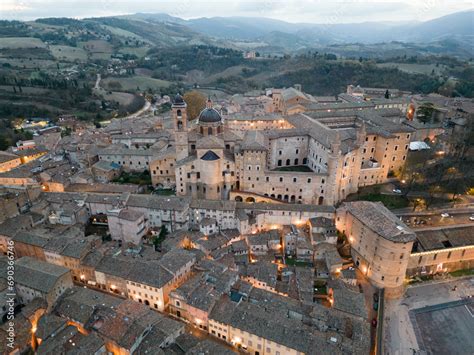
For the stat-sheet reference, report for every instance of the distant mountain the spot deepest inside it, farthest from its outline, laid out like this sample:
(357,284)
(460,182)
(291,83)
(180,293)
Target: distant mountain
(458,25)
(152,17)
(244,28)
(159,30)
(451,34)
(281,41)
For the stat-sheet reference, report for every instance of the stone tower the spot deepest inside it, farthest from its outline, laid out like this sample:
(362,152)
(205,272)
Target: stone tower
(180,126)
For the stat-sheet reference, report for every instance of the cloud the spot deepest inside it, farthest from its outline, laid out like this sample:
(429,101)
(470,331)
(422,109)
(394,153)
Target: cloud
(315,11)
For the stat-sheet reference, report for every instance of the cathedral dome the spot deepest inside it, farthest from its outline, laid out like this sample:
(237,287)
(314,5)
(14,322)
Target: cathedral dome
(209,115)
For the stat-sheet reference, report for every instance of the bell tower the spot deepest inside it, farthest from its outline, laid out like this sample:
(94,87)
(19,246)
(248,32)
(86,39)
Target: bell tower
(180,126)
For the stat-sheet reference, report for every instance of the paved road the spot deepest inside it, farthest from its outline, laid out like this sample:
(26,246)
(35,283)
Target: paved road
(431,221)
(437,211)
(97,82)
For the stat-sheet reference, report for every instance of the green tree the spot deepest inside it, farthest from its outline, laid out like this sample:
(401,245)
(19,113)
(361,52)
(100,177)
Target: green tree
(157,240)
(425,112)
(4,143)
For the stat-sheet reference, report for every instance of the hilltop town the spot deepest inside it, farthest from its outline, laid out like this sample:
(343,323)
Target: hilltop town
(275,222)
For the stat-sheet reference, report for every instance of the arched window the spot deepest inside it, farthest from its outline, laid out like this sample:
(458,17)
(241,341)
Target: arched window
(288,161)
(178,113)
(296,161)
(209,131)
(180,124)
(320,200)
(279,162)
(202,130)
(305,160)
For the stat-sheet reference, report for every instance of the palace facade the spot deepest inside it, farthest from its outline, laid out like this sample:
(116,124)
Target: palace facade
(313,157)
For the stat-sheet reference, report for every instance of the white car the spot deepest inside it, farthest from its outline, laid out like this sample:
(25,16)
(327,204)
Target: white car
(397,191)
(471,218)
(445,215)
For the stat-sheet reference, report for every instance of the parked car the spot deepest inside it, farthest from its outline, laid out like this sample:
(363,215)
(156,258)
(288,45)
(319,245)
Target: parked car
(445,215)
(397,191)
(471,218)
(374,322)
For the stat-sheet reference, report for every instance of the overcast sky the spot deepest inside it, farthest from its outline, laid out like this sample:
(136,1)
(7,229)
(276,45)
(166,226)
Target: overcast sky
(314,11)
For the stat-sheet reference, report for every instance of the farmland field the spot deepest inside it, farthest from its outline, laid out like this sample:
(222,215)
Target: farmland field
(25,63)
(124,33)
(414,68)
(123,98)
(98,49)
(21,42)
(138,51)
(134,82)
(69,53)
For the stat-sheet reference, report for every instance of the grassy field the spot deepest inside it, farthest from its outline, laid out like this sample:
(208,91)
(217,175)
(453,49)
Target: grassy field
(293,262)
(124,33)
(98,49)
(28,90)
(372,193)
(68,53)
(414,68)
(231,71)
(463,272)
(24,63)
(123,98)
(138,51)
(132,83)
(21,42)
(390,201)
(134,178)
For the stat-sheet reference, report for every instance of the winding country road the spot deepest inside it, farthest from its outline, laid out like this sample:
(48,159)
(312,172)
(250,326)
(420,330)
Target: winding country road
(145,108)
(97,82)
